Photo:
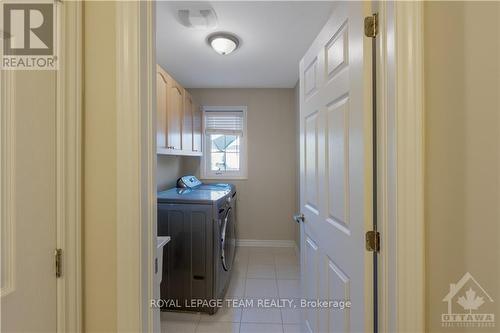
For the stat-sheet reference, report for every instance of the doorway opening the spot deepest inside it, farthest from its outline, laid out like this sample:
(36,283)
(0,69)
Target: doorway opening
(260,107)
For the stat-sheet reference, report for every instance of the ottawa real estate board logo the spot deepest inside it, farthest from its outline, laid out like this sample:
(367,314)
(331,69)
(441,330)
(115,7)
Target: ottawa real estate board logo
(28,35)
(467,305)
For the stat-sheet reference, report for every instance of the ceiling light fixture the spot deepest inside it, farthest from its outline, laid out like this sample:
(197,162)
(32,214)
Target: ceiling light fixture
(223,43)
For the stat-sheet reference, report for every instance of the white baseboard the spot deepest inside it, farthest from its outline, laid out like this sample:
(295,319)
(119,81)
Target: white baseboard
(265,243)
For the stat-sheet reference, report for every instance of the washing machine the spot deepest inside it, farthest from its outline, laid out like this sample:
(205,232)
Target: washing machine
(197,263)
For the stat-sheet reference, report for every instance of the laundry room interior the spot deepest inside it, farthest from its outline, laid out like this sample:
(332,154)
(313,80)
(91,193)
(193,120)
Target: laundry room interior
(227,81)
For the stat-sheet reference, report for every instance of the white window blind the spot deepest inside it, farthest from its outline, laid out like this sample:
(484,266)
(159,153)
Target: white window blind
(224,122)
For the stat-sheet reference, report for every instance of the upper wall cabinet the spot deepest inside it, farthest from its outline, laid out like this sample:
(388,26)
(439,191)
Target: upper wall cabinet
(161,108)
(177,120)
(197,137)
(187,123)
(175,104)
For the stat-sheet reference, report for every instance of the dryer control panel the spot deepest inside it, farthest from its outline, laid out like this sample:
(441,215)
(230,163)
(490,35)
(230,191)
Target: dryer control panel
(188,182)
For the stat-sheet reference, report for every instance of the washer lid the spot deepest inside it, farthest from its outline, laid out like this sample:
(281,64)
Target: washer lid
(188,195)
(216,187)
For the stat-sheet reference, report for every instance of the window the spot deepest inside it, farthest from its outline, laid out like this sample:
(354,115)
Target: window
(225,143)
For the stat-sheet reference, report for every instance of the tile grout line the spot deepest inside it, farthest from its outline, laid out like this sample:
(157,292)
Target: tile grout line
(247,262)
(244,291)
(278,289)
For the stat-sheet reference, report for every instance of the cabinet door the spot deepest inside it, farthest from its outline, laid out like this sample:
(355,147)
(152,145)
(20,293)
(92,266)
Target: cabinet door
(161,109)
(175,99)
(187,123)
(197,119)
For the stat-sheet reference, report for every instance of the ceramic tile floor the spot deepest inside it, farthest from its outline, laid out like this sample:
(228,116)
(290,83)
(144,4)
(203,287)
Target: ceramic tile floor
(258,272)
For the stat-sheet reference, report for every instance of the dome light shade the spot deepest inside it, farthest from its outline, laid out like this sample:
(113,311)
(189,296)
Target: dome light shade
(223,43)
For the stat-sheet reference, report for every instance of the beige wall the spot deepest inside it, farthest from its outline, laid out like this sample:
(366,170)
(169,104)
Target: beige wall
(99,206)
(169,169)
(462,168)
(267,200)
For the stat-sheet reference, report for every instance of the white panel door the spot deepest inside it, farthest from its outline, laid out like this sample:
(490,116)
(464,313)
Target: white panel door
(335,172)
(28,238)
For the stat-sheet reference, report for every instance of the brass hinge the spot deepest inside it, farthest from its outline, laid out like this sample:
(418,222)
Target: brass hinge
(371,25)
(58,262)
(372,241)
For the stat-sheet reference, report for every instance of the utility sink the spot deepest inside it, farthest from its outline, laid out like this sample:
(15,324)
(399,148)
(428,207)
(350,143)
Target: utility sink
(161,241)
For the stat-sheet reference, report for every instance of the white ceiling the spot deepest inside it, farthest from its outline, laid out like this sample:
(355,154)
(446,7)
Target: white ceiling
(274,37)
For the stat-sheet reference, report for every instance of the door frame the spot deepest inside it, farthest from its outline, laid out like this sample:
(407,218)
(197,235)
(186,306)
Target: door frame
(401,175)
(401,166)
(136,166)
(69,164)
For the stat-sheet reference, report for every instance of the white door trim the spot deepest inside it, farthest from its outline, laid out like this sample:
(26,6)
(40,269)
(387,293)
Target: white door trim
(400,105)
(401,178)
(69,162)
(136,164)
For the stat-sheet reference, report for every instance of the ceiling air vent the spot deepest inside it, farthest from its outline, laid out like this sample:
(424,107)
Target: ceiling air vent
(198,18)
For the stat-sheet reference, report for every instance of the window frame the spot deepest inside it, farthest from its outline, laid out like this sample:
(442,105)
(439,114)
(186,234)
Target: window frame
(205,171)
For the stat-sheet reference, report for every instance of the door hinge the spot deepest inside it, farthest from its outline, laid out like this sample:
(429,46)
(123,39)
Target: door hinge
(371,25)
(372,241)
(58,262)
